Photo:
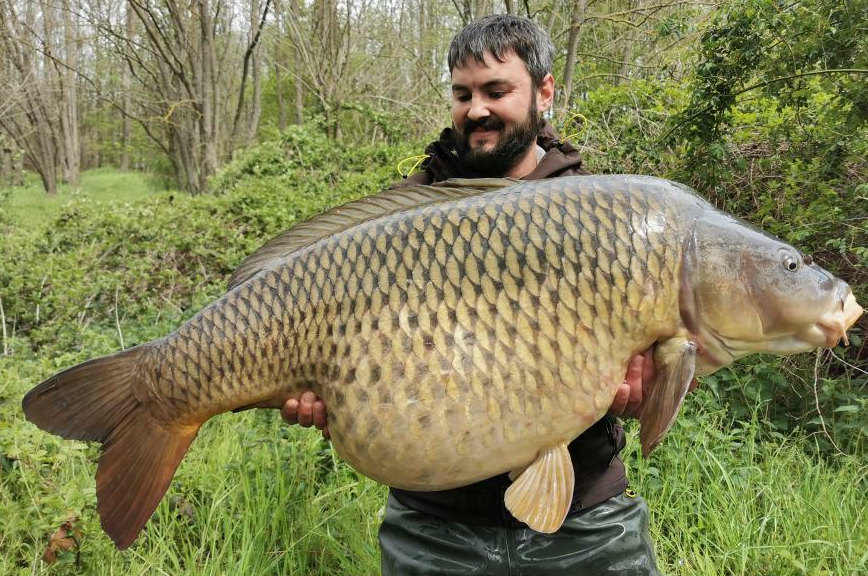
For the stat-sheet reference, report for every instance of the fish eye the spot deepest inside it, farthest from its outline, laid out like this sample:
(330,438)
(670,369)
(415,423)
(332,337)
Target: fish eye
(791,263)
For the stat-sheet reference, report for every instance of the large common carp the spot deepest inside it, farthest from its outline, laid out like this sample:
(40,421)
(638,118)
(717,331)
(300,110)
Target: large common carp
(455,332)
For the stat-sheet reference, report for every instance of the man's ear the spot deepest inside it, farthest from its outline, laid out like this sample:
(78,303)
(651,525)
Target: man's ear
(546,93)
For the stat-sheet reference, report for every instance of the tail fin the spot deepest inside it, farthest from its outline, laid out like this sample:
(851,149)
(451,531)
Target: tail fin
(96,401)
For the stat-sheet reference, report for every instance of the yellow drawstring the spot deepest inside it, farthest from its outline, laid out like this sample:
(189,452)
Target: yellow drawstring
(418,161)
(572,120)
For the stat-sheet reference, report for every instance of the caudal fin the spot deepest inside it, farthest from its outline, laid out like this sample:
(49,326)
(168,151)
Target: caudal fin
(96,401)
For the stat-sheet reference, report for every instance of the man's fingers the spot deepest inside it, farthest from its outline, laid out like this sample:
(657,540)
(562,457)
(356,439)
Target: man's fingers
(320,416)
(289,412)
(305,408)
(619,403)
(635,380)
(636,386)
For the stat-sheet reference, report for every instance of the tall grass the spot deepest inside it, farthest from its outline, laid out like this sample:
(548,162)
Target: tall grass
(726,502)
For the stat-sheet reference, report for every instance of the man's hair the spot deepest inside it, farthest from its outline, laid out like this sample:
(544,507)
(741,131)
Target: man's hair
(500,33)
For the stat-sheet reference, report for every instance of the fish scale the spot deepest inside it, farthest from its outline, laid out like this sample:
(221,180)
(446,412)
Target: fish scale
(454,333)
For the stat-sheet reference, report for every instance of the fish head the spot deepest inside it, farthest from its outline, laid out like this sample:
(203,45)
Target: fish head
(745,292)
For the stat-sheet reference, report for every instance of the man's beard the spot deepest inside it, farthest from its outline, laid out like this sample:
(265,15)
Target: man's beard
(510,149)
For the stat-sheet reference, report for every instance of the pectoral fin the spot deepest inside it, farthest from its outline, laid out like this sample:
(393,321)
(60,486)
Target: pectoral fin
(675,364)
(542,493)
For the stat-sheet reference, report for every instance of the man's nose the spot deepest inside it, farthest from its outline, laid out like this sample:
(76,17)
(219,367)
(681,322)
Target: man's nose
(478,109)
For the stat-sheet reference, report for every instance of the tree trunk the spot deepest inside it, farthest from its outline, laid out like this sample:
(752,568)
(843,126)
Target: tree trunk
(553,13)
(578,16)
(208,104)
(257,15)
(31,118)
(299,101)
(126,97)
(278,88)
(627,49)
(67,74)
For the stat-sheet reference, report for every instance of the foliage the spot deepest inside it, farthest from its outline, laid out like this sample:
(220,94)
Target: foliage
(93,266)
(304,151)
(805,61)
(776,132)
(780,50)
(788,155)
(617,127)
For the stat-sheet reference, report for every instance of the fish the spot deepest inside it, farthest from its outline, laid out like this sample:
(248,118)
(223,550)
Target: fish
(455,332)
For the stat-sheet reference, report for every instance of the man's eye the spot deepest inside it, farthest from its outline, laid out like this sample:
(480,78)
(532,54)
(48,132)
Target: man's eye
(462,97)
(497,95)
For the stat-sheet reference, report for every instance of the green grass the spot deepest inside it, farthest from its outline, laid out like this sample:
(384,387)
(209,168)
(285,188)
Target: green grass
(29,206)
(725,502)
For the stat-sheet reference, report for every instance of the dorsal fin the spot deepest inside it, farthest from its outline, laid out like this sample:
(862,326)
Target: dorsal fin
(352,213)
(480,185)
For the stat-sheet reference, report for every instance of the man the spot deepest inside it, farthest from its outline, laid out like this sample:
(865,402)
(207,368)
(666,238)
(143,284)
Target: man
(501,86)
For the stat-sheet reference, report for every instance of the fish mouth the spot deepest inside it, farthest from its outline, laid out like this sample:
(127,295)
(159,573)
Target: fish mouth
(826,331)
(834,326)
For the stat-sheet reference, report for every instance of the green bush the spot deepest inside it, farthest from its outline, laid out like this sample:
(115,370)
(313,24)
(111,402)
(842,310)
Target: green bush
(171,253)
(789,157)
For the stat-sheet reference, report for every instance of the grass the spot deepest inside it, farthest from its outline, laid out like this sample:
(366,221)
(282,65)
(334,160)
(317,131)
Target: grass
(725,502)
(29,205)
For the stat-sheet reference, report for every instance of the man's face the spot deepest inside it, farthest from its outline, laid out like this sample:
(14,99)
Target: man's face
(496,113)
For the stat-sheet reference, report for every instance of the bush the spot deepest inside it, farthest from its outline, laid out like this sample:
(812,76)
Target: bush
(172,253)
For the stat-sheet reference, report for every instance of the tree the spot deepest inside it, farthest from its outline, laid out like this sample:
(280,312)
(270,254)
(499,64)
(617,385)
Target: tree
(38,63)
(188,75)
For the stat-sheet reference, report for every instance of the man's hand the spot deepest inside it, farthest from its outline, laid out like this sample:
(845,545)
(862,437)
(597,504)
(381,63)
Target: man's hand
(636,386)
(629,398)
(307,410)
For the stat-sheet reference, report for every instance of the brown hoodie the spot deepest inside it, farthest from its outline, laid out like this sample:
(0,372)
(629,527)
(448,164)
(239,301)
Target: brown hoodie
(442,163)
(599,472)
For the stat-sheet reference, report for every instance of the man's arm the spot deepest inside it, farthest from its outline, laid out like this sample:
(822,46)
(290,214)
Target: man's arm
(309,410)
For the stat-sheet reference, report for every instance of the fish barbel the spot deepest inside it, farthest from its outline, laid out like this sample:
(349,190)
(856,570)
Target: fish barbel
(455,332)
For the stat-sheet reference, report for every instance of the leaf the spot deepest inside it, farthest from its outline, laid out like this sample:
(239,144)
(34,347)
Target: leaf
(182,508)
(66,538)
